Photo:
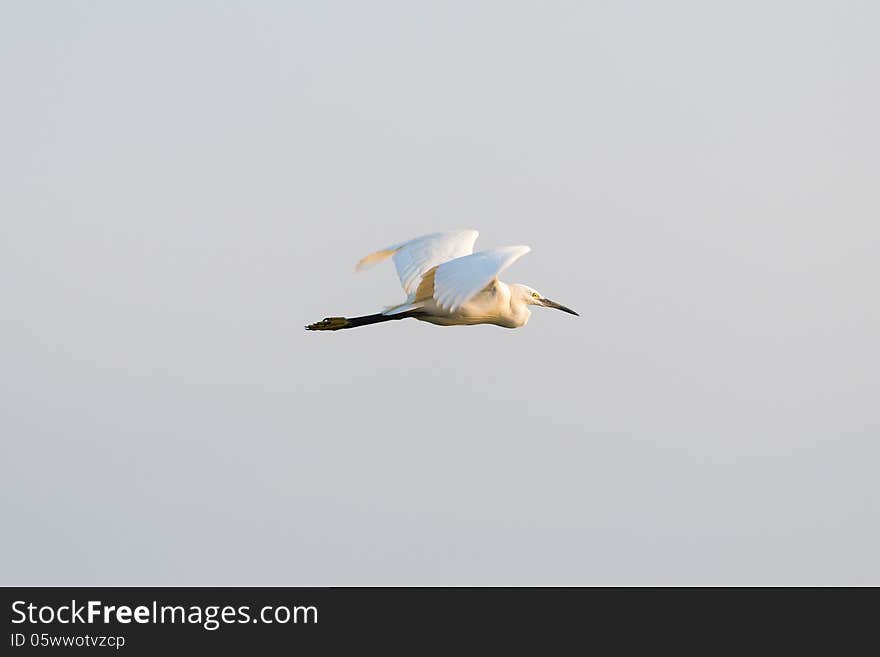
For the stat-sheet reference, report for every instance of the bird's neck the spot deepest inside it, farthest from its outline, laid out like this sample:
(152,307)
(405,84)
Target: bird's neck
(519,310)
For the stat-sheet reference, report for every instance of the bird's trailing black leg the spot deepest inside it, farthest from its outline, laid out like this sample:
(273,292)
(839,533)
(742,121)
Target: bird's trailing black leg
(329,324)
(337,323)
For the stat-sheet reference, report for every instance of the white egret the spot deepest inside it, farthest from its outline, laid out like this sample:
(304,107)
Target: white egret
(448,284)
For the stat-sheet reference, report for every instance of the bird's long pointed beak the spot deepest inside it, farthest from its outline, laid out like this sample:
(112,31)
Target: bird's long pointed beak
(558,306)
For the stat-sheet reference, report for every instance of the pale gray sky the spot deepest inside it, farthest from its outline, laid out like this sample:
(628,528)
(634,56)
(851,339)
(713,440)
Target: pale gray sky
(185,185)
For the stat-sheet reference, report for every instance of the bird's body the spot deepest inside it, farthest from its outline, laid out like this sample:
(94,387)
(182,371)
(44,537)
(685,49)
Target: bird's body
(449,285)
(491,305)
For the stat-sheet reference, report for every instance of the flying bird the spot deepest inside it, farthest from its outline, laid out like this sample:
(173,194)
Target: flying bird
(447,284)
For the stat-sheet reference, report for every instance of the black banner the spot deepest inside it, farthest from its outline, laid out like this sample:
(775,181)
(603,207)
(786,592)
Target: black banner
(150,620)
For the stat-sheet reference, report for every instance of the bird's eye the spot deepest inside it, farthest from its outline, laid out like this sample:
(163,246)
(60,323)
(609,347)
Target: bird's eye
(536,295)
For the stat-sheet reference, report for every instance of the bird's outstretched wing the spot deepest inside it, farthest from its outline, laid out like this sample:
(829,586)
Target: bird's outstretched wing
(415,257)
(458,280)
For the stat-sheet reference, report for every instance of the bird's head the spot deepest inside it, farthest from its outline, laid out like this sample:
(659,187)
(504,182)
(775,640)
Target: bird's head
(531,297)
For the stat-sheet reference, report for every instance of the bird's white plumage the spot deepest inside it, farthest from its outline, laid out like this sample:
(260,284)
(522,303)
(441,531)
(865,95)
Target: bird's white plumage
(456,281)
(449,285)
(415,257)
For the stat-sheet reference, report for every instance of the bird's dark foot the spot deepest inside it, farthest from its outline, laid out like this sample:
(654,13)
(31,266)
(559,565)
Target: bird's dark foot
(328,324)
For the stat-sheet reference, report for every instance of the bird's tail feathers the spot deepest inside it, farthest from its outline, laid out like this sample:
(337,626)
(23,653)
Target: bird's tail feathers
(402,308)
